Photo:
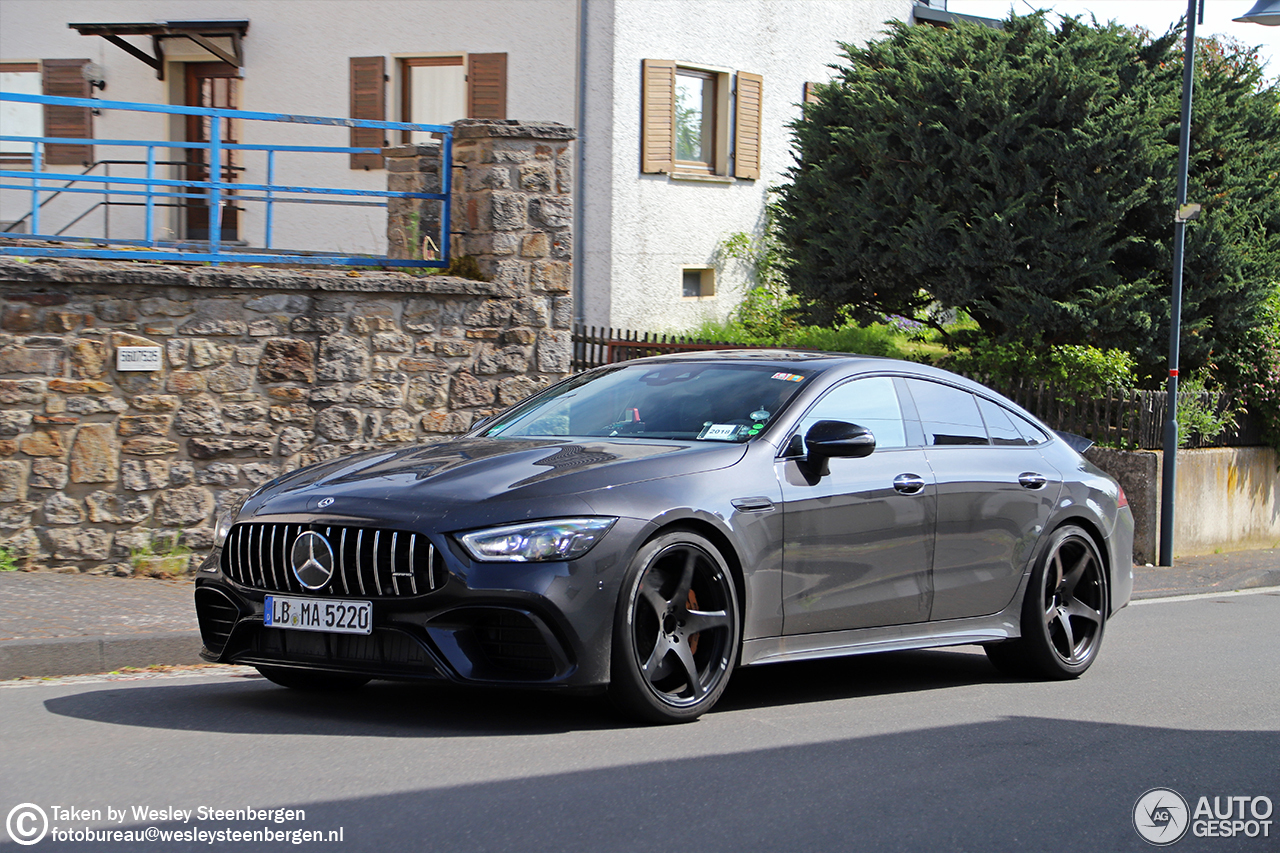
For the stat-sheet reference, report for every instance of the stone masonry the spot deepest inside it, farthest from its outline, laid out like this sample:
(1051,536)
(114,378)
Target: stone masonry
(266,370)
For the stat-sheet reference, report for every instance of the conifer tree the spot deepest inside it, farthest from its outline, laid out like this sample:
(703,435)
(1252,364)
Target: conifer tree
(1026,175)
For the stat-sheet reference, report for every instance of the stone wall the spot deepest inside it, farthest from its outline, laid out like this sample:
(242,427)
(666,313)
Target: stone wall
(264,370)
(1227,498)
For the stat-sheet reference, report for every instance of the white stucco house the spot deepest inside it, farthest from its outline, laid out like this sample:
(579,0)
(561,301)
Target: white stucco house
(681,106)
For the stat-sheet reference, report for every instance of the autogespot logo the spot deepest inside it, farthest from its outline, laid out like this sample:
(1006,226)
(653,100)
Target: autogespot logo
(27,823)
(312,559)
(1160,816)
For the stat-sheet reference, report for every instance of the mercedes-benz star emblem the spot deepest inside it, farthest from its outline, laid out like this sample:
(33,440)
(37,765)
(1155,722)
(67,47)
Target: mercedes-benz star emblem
(312,559)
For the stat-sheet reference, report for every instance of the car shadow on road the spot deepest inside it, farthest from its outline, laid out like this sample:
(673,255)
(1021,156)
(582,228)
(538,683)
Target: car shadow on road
(1016,783)
(252,705)
(861,675)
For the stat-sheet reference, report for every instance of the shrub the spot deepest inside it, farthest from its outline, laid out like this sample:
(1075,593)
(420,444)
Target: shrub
(1253,371)
(1075,369)
(1197,415)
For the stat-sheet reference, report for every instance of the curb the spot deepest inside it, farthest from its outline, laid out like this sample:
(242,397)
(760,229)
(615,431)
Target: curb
(1242,580)
(89,655)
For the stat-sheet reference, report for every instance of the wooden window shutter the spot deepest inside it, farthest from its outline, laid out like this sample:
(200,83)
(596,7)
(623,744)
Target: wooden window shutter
(487,85)
(746,125)
(658,116)
(811,93)
(62,77)
(368,102)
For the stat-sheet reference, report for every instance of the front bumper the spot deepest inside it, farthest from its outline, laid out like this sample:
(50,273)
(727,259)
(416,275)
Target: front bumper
(530,624)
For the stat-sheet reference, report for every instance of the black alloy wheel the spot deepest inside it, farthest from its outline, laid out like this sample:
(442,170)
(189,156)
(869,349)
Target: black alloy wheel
(676,633)
(1063,613)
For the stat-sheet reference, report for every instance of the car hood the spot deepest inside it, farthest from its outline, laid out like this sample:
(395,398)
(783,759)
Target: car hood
(439,479)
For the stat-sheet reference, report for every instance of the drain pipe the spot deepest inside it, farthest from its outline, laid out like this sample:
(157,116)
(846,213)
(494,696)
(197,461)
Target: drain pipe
(579,257)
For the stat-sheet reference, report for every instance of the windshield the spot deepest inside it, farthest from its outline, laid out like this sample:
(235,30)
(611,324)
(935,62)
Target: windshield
(680,400)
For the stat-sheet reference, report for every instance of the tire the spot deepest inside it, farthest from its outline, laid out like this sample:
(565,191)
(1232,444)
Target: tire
(1063,612)
(310,680)
(676,630)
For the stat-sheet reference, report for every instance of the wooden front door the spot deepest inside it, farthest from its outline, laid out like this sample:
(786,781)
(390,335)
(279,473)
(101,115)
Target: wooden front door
(211,84)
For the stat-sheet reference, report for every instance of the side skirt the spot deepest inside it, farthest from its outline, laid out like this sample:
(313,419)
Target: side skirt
(922,635)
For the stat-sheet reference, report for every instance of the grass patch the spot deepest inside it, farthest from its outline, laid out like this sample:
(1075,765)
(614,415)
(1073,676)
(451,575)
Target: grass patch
(162,557)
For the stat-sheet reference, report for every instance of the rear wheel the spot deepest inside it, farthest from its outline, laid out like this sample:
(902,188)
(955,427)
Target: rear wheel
(676,631)
(1063,613)
(310,680)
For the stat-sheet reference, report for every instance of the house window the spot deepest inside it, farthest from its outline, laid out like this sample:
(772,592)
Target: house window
(691,114)
(698,283)
(695,120)
(19,119)
(433,90)
(61,77)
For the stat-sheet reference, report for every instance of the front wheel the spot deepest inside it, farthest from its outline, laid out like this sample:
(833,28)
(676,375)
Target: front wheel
(1063,612)
(675,635)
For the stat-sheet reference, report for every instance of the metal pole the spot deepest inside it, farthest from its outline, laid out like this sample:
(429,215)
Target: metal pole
(151,196)
(1168,479)
(446,190)
(271,182)
(106,202)
(37,157)
(215,191)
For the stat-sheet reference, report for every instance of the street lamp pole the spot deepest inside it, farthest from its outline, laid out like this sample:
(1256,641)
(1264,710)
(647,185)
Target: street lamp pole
(1266,13)
(1169,471)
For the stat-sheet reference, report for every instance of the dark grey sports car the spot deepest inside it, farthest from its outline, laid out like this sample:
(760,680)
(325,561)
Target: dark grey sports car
(647,527)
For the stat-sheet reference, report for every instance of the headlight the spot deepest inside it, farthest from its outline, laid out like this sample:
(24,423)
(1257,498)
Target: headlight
(561,539)
(226,520)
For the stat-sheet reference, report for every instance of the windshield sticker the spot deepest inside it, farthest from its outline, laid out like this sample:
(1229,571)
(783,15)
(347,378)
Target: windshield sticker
(719,432)
(788,377)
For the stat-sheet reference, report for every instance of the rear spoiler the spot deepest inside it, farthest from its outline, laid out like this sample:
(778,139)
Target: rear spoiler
(1078,443)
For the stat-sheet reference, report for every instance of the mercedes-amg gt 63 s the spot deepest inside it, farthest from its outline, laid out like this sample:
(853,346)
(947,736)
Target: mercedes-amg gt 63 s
(645,528)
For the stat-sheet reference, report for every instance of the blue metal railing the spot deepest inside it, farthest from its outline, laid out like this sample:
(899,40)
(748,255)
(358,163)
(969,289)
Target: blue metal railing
(156,192)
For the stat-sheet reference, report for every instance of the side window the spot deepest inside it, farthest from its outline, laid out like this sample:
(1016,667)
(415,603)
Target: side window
(949,415)
(871,403)
(1000,425)
(1030,432)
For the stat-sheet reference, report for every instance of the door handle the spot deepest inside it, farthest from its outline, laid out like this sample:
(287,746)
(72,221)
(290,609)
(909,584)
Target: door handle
(908,484)
(1032,480)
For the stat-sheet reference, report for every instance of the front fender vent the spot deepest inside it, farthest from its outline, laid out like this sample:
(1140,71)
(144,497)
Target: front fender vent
(217,615)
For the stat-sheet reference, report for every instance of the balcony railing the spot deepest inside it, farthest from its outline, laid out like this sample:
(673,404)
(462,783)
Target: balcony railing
(212,189)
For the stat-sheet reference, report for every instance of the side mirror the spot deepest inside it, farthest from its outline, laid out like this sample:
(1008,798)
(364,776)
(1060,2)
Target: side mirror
(827,439)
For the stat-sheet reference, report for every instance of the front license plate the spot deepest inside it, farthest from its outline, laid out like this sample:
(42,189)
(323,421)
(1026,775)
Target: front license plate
(309,614)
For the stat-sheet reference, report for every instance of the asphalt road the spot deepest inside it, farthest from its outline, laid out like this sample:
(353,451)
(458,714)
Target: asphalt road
(928,751)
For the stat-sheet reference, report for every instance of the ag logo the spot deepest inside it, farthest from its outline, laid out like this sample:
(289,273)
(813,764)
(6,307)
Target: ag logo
(1160,816)
(312,560)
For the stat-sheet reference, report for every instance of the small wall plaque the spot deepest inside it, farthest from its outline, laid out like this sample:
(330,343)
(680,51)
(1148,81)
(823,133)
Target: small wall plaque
(138,358)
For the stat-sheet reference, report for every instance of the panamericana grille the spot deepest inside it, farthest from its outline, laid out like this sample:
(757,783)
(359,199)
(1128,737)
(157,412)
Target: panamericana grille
(368,562)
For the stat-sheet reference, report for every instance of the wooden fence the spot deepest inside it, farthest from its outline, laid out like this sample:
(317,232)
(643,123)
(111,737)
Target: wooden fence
(1119,418)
